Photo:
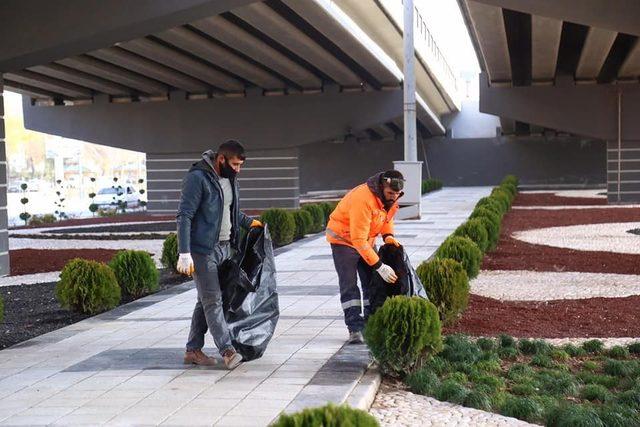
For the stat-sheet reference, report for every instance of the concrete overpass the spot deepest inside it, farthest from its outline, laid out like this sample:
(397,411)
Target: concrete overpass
(171,78)
(565,65)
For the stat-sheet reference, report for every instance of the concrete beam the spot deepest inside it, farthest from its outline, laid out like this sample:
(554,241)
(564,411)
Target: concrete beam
(148,68)
(545,43)
(186,64)
(268,21)
(36,32)
(70,75)
(590,110)
(630,68)
(33,92)
(260,122)
(594,53)
(622,16)
(213,53)
(488,24)
(237,38)
(50,84)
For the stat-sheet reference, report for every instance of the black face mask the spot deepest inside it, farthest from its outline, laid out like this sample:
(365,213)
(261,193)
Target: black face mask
(226,171)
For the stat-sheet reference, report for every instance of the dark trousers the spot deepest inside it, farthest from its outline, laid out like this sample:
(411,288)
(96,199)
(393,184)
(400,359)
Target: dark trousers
(349,265)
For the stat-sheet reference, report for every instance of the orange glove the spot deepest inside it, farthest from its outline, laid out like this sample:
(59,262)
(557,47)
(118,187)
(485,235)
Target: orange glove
(390,240)
(256,223)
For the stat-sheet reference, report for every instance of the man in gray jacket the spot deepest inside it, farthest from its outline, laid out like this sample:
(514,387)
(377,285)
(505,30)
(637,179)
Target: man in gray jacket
(209,218)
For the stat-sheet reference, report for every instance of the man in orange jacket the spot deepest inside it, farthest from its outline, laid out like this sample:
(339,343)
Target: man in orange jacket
(363,214)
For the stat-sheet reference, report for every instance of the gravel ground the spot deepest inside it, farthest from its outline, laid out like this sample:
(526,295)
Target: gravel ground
(612,237)
(520,285)
(561,207)
(396,407)
(582,193)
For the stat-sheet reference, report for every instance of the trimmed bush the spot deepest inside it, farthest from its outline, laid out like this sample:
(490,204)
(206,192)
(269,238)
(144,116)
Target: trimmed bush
(503,197)
(87,286)
(447,285)
(491,222)
(593,346)
(429,185)
(492,204)
(475,230)
(403,333)
(327,209)
(328,416)
(317,213)
(511,179)
(424,382)
(304,223)
(136,272)
(42,219)
(282,225)
(463,250)
(169,258)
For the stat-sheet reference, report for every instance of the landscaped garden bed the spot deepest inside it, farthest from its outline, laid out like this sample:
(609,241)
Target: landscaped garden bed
(551,199)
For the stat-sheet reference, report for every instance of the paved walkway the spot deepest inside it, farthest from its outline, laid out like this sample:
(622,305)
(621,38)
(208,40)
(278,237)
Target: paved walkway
(124,367)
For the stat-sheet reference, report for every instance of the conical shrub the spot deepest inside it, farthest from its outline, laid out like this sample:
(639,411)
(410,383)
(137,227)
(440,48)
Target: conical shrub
(491,221)
(403,333)
(447,285)
(463,250)
(304,222)
(282,225)
(87,287)
(169,258)
(475,230)
(136,272)
(327,416)
(317,213)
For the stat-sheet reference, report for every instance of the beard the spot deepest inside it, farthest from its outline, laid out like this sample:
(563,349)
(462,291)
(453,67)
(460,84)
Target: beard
(226,171)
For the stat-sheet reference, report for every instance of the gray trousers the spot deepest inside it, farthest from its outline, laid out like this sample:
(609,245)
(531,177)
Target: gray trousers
(208,311)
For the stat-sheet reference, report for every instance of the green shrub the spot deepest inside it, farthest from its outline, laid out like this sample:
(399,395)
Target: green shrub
(491,222)
(491,383)
(478,400)
(486,344)
(169,257)
(424,382)
(510,189)
(590,365)
(617,368)
(520,370)
(87,286)
(506,341)
(634,348)
(511,179)
(573,350)
(282,225)
(459,348)
(523,408)
(463,250)
(429,185)
(556,382)
(403,333)
(488,365)
(595,392)
(542,360)
(328,416)
(630,398)
(459,377)
(618,416)
(524,389)
(607,381)
(447,285)
(572,415)
(503,197)
(559,355)
(136,272)
(42,219)
(492,204)
(618,352)
(475,230)
(593,346)
(532,347)
(317,213)
(304,222)
(451,391)
(508,353)
(327,209)
(437,365)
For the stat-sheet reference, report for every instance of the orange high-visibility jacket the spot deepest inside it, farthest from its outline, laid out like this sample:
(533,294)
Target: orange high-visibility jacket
(359,218)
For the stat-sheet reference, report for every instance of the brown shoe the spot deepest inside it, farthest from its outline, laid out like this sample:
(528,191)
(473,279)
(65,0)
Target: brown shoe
(231,359)
(197,357)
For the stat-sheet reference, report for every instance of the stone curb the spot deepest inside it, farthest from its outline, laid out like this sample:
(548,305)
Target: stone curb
(364,393)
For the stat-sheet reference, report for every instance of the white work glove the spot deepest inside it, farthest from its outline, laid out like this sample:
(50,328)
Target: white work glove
(387,273)
(185,264)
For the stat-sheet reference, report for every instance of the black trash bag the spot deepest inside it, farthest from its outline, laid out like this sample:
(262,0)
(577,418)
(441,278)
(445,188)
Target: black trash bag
(407,284)
(249,294)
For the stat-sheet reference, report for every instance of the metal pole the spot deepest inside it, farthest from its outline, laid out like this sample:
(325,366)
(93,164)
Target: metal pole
(410,148)
(619,141)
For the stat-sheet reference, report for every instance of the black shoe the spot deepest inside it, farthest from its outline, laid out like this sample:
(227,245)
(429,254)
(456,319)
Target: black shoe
(356,338)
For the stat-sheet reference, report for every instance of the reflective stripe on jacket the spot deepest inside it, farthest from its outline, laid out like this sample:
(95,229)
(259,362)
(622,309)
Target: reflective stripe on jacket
(358,219)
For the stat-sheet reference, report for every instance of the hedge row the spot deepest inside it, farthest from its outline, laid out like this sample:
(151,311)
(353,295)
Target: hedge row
(429,185)
(92,287)
(286,225)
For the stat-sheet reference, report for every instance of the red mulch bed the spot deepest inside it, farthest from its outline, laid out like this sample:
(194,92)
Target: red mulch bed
(550,199)
(102,220)
(512,254)
(29,261)
(595,317)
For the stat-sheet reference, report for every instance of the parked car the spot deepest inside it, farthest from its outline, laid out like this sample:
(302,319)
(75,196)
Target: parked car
(108,197)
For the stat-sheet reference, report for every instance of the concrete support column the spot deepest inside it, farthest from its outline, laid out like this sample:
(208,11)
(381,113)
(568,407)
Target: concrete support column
(623,171)
(4,234)
(268,179)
